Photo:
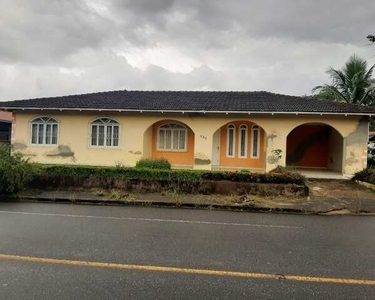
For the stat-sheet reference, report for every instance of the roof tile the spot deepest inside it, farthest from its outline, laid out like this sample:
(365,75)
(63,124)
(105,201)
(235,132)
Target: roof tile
(189,101)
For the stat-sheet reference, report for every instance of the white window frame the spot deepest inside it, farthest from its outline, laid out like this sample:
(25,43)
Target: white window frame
(231,127)
(242,127)
(44,121)
(253,129)
(109,123)
(179,128)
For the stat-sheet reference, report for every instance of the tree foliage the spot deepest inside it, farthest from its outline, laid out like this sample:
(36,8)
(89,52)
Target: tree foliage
(352,84)
(15,171)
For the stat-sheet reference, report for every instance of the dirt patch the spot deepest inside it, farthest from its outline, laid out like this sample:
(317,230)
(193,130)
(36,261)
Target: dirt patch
(338,190)
(144,186)
(326,197)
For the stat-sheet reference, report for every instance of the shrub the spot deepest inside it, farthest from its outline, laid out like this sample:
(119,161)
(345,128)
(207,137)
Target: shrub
(371,162)
(271,177)
(15,171)
(367,175)
(113,172)
(158,163)
(176,175)
(281,169)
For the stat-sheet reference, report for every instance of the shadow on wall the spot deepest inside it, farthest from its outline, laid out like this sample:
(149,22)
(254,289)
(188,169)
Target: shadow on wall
(301,144)
(315,146)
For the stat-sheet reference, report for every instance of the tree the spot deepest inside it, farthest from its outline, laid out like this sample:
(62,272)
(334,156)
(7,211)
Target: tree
(353,84)
(15,171)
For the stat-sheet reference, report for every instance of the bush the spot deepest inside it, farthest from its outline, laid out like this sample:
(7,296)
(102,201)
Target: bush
(15,171)
(271,177)
(158,163)
(371,162)
(367,175)
(176,175)
(113,172)
(280,169)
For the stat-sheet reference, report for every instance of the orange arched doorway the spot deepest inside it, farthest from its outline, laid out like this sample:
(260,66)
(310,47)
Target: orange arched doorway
(239,145)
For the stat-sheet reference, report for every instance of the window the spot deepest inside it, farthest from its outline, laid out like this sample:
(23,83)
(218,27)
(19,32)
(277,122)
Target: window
(172,137)
(242,153)
(44,131)
(105,132)
(255,142)
(230,140)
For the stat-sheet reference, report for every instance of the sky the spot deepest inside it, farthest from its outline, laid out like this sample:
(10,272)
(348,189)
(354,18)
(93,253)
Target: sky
(61,47)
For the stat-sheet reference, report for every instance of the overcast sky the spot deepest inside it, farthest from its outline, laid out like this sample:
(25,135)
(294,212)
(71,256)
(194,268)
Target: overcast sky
(58,47)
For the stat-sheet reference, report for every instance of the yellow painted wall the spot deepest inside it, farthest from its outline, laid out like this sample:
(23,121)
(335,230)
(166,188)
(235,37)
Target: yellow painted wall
(74,133)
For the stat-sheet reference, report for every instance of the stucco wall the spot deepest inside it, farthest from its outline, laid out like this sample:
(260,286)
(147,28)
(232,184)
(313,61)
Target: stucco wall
(355,156)
(336,151)
(74,135)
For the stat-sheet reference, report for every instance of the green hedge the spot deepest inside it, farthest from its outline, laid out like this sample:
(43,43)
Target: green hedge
(184,175)
(367,175)
(155,163)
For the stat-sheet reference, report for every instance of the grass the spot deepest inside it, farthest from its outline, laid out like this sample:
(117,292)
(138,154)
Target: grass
(99,193)
(115,195)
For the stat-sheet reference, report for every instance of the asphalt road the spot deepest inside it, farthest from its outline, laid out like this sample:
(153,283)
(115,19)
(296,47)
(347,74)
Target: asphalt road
(253,244)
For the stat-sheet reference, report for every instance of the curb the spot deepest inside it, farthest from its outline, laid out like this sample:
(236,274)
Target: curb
(366,184)
(146,203)
(165,204)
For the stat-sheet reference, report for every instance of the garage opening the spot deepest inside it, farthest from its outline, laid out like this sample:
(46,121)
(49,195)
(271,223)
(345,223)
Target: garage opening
(315,146)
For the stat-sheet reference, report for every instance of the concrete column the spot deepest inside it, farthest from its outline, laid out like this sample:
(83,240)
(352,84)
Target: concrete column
(275,150)
(355,149)
(203,150)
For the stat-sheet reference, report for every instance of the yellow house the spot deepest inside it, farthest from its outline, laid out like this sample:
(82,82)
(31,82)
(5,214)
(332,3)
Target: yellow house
(198,130)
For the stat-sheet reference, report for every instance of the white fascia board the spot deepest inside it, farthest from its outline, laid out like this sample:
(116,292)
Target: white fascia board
(187,111)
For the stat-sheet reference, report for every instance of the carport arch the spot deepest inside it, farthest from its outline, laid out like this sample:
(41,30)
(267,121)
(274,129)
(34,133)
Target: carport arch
(316,145)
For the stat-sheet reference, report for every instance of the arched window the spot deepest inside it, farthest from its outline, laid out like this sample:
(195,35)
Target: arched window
(231,130)
(44,131)
(172,137)
(105,132)
(242,151)
(255,141)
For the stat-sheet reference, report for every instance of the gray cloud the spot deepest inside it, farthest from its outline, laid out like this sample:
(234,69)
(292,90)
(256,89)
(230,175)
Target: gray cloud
(45,30)
(54,47)
(338,21)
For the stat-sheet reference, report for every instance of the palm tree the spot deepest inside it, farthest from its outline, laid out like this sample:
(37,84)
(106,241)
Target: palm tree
(353,84)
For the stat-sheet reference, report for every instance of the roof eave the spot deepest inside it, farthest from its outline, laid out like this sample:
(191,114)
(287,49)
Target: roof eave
(190,111)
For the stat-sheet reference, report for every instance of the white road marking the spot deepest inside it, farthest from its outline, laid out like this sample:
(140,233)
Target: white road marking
(151,220)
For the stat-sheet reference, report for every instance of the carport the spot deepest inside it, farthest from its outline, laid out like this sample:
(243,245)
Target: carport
(315,146)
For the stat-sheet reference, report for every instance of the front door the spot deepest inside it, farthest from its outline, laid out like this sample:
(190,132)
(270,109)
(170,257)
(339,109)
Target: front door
(216,149)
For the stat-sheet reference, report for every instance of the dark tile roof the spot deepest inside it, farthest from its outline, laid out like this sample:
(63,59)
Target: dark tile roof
(189,101)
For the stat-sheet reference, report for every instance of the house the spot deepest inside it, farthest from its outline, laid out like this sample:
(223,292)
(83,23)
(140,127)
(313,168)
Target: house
(5,127)
(199,130)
